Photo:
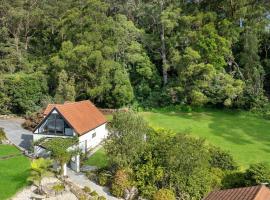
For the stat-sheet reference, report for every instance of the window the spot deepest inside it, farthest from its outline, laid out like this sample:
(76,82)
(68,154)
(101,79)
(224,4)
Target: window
(94,135)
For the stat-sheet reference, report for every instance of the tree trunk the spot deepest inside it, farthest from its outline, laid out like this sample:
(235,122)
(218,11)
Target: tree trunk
(163,56)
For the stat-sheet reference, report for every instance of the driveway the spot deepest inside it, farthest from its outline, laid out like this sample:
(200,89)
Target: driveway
(16,134)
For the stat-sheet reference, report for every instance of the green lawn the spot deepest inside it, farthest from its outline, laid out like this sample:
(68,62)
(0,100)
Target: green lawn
(246,136)
(8,150)
(98,159)
(13,172)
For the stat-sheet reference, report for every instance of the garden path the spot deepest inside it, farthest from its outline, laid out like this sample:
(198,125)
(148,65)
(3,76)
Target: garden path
(81,180)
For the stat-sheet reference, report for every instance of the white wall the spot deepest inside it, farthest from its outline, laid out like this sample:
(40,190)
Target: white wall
(87,141)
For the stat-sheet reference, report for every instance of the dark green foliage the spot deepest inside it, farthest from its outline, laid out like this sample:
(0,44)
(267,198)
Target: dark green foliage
(147,53)
(257,174)
(65,90)
(221,159)
(24,91)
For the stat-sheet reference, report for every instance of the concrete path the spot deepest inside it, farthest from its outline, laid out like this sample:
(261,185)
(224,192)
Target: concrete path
(81,180)
(16,134)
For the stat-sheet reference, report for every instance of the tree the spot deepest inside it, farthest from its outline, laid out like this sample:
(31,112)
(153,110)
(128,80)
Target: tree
(66,88)
(188,175)
(61,150)
(23,92)
(221,159)
(126,142)
(39,170)
(253,71)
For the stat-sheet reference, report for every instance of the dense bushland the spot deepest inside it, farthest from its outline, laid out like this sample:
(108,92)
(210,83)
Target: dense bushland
(140,53)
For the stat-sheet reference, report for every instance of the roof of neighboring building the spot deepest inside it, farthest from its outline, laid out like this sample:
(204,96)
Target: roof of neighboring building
(83,116)
(260,192)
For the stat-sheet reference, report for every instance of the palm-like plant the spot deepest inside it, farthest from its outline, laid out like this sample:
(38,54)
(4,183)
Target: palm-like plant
(40,168)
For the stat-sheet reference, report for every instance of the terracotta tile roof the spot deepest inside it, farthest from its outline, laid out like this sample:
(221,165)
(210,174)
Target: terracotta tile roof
(260,192)
(49,108)
(83,116)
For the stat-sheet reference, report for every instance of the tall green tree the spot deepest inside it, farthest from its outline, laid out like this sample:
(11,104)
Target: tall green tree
(65,90)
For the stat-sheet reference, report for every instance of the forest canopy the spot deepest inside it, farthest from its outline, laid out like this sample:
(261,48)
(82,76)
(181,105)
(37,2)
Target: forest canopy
(129,52)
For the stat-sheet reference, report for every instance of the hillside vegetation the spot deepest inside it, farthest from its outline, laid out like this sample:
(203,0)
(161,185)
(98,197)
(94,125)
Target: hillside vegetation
(138,53)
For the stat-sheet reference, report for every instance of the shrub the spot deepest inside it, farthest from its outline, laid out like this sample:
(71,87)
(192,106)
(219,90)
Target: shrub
(32,120)
(82,197)
(221,159)
(58,188)
(87,189)
(94,194)
(233,179)
(2,135)
(24,91)
(91,175)
(103,178)
(257,174)
(120,183)
(164,194)
(101,198)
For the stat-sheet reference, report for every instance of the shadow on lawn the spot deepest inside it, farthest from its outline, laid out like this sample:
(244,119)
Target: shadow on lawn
(236,127)
(241,129)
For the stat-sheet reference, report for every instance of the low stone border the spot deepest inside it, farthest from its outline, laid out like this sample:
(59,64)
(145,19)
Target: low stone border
(109,111)
(8,116)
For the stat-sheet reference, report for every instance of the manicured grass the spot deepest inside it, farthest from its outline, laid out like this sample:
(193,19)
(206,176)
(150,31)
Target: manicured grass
(246,136)
(98,159)
(8,150)
(13,172)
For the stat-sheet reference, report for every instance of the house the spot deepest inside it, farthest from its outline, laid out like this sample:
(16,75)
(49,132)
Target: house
(260,192)
(81,119)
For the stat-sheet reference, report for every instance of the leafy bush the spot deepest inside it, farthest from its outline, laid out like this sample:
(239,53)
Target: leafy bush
(257,174)
(164,194)
(2,135)
(82,197)
(87,189)
(103,178)
(58,188)
(91,175)
(233,179)
(101,198)
(221,159)
(24,91)
(94,194)
(120,183)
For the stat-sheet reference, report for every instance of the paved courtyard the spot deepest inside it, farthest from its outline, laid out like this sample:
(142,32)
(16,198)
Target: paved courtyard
(16,134)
